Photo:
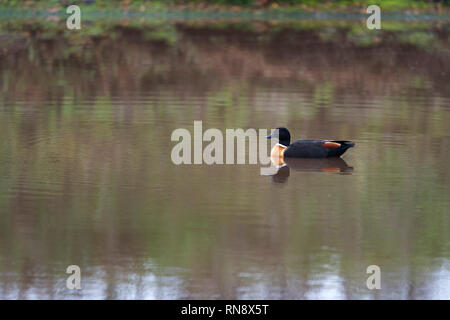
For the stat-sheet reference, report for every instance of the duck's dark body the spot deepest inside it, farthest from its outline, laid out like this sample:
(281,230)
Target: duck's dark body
(309,148)
(316,149)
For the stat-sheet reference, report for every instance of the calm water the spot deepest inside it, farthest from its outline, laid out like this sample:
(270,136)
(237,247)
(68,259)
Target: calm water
(87,178)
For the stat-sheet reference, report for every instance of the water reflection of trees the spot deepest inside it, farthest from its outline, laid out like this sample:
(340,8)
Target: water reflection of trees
(83,162)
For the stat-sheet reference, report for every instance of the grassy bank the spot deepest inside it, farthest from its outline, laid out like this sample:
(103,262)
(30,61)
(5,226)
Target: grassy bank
(236,5)
(164,22)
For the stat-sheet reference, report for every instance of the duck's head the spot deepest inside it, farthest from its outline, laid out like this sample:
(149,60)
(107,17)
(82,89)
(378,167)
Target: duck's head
(283,135)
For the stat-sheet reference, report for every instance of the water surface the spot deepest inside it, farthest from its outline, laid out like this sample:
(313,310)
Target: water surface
(87,178)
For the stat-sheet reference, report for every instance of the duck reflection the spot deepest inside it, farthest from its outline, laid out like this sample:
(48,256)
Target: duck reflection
(333,165)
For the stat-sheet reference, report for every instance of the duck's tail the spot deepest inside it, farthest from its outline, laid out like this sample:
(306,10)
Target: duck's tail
(345,144)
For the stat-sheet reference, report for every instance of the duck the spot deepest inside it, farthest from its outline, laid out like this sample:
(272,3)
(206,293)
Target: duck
(306,148)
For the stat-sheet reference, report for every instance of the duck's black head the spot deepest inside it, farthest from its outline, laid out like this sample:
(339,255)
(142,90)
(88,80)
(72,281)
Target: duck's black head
(283,135)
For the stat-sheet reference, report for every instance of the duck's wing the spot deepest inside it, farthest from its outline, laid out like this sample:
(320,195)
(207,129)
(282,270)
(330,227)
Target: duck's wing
(306,149)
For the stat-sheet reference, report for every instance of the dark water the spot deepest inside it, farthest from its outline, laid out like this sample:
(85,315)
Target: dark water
(87,178)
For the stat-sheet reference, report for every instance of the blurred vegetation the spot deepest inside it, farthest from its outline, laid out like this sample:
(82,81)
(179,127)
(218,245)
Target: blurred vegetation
(236,4)
(425,34)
